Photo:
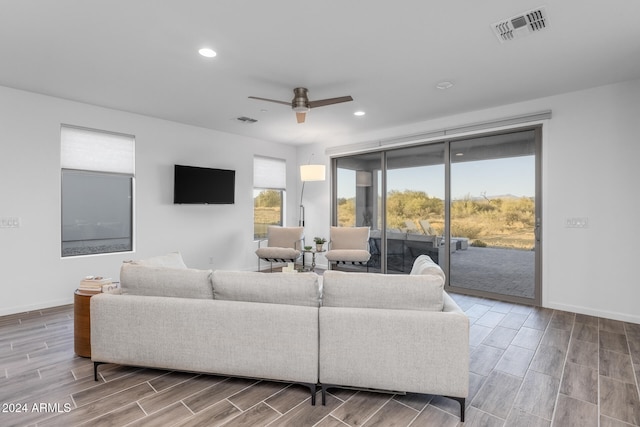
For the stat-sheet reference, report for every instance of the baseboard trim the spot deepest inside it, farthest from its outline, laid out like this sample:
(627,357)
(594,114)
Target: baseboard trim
(37,306)
(624,317)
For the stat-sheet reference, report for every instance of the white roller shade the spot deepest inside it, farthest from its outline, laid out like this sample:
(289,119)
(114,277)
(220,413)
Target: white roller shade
(269,173)
(86,149)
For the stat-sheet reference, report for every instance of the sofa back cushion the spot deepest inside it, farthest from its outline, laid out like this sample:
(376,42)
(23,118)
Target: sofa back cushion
(373,290)
(425,265)
(272,288)
(152,280)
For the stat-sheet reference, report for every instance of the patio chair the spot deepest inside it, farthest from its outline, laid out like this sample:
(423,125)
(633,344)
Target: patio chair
(284,244)
(410,227)
(348,245)
(461,243)
(428,230)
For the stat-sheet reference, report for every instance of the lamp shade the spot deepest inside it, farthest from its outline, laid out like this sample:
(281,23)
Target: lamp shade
(312,172)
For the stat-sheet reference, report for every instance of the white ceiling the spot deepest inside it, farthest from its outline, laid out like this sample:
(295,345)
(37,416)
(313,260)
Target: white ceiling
(141,56)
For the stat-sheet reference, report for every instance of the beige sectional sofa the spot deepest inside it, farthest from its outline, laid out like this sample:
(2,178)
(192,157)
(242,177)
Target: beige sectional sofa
(364,330)
(254,324)
(393,332)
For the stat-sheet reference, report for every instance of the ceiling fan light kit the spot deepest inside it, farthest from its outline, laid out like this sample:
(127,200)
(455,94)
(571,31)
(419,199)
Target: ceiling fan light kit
(301,105)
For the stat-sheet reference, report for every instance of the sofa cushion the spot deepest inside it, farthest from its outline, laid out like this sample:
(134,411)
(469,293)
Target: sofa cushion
(165,282)
(385,291)
(171,260)
(272,288)
(425,265)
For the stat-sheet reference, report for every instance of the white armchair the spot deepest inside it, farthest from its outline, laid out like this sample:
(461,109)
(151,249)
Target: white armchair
(348,245)
(284,244)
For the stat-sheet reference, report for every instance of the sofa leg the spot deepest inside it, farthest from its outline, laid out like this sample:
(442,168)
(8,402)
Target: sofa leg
(324,388)
(460,400)
(312,389)
(95,370)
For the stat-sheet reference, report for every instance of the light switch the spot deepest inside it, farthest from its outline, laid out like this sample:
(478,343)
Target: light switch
(576,222)
(10,222)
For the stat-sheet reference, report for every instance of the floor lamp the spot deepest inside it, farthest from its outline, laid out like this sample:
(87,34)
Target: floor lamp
(309,173)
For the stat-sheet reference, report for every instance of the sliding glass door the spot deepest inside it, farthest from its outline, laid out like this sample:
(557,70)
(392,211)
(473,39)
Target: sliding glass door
(471,204)
(414,205)
(358,199)
(493,215)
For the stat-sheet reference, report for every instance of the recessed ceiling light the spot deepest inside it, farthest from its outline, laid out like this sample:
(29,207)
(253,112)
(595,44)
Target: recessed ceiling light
(359,113)
(444,85)
(206,52)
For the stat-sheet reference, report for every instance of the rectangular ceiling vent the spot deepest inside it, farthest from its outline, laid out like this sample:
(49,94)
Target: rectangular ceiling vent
(521,25)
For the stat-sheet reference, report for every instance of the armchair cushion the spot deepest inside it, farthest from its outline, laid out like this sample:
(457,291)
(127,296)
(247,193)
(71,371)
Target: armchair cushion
(348,255)
(271,253)
(285,237)
(349,238)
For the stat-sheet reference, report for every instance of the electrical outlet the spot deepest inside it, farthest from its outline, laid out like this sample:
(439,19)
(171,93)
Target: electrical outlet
(575,222)
(10,222)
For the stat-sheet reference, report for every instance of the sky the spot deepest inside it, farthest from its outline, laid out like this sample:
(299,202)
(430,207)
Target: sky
(514,175)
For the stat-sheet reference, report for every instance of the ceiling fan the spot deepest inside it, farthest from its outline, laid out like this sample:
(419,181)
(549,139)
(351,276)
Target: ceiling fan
(301,104)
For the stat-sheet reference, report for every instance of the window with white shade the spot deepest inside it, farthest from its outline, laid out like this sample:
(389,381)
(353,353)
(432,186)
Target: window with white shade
(269,183)
(97,172)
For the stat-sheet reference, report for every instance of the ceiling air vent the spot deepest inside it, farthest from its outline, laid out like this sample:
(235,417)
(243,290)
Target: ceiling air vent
(247,120)
(521,25)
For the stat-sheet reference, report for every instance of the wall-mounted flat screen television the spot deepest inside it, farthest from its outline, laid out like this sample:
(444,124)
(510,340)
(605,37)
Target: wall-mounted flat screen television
(197,185)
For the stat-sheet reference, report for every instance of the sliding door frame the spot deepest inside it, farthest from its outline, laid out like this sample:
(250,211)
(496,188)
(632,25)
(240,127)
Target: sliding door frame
(537,298)
(446,265)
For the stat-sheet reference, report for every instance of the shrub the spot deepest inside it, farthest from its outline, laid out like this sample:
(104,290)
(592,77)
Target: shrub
(465,229)
(479,244)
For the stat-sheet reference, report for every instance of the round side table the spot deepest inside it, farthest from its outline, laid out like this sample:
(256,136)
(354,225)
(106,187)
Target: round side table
(82,323)
(313,253)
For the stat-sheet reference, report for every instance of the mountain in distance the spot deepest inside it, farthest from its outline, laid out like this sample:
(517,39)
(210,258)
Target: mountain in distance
(498,196)
(503,196)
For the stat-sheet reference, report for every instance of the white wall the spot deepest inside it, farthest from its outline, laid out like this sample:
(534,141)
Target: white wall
(591,150)
(32,271)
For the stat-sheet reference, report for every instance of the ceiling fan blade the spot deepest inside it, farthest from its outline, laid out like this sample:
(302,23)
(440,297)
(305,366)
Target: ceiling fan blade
(300,117)
(272,100)
(329,101)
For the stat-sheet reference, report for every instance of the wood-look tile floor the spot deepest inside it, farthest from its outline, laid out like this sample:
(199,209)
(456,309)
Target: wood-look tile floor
(529,367)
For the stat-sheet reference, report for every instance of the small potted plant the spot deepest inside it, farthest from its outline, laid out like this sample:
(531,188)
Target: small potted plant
(320,241)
